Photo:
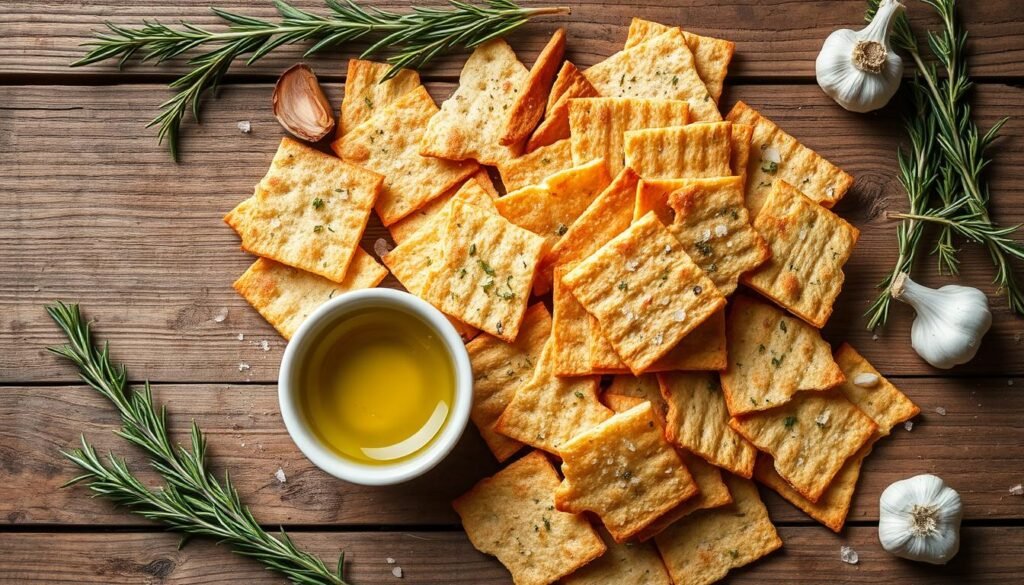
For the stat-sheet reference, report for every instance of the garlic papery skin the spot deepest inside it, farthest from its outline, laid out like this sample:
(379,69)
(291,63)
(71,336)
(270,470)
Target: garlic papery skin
(950,321)
(859,69)
(919,519)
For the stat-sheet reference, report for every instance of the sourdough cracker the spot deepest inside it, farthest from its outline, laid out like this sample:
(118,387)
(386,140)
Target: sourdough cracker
(809,246)
(644,480)
(638,388)
(529,106)
(711,56)
(644,291)
(511,515)
(321,202)
(533,168)
(772,357)
(703,349)
(739,144)
(597,125)
(388,143)
(499,369)
(698,421)
(680,152)
(659,68)
(703,547)
(285,296)
(777,155)
(570,331)
(472,120)
(549,411)
(366,93)
(570,84)
(622,563)
(473,191)
(881,400)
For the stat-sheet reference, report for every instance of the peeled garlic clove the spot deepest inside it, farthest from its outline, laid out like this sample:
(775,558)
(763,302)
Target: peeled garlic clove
(301,106)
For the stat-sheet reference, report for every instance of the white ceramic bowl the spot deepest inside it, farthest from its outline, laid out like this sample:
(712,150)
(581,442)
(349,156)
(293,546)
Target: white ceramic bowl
(321,455)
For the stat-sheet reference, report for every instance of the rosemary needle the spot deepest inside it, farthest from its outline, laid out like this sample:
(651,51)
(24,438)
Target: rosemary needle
(414,38)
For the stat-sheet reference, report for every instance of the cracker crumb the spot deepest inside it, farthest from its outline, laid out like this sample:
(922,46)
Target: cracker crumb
(220,315)
(940,411)
(245,126)
(909,425)
(381,247)
(397,572)
(1017,490)
(279,475)
(848,555)
(242,366)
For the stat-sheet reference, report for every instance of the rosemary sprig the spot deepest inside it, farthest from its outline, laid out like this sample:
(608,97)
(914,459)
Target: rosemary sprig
(192,501)
(415,38)
(947,188)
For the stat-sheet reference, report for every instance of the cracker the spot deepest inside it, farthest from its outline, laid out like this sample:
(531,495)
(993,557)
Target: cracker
(472,191)
(659,68)
(698,421)
(810,438)
(388,143)
(598,125)
(549,208)
(772,356)
(511,516)
(285,296)
(777,155)
(643,387)
(680,152)
(711,56)
(472,120)
(631,562)
(703,349)
(366,94)
(570,84)
(533,168)
(883,402)
(549,411)
(319,202)
(702,548)
(809,246)
(570,331)
(529,106)
(644,291)
(739,145)
(644,480)
(499,369)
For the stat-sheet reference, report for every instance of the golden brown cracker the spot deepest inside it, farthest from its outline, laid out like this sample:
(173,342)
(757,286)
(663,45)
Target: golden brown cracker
(777,155)
(680,152)
(809,246)
(319,202)
(471,191)
(569,84)
(871,392)
(529,106)
(366,93)
(533,168)
(703,349)
(570,331)
(772,357)
(711,56)
(499,370)
(511,515)
(643,387)
(630,562)
(739,146)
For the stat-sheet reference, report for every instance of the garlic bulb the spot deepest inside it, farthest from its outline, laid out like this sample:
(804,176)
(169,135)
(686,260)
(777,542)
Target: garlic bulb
(859,69)
(919,519)
(950,321)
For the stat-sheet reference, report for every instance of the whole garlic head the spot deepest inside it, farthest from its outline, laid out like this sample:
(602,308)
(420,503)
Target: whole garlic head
(919,519)
(859,69)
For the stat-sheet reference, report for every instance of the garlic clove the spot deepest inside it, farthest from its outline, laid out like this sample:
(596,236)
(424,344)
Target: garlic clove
(301,106)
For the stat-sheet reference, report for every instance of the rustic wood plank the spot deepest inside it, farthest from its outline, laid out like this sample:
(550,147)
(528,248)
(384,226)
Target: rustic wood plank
(94,211)
(988,556)
(975,447)
(775,38)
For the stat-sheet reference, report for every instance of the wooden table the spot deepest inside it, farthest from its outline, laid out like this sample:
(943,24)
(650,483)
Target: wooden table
(93,211)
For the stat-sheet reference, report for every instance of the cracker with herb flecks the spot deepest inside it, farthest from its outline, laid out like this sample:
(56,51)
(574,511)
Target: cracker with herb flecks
(388,143)
(645,292)
(499,369)
(366,93)
(485,272)
(570,84)
(680,152)
(698,421)
(643,387)
(471,191)
(703,547)
(319,203)
(511,515)
(624,471)
(472,121)
(772,356)
(711,56)
(598,125)
(659,68)
(703,349)
(533,168)
(570,331)
(810,438)
(809,246)
(529,106)
(548,410)
(630,562)
(285,296)
(549,208)
(739,146)
(777,155)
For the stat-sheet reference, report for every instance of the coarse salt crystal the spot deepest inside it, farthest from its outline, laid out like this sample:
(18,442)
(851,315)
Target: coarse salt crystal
(874,337)
(909,425)
(245,126)
(632,265)
(721,230)
(659,339)
(679,316)
(381,248)
(772,154)
(1017,490)
(830,191)
(822,419)
(848,555)
(241,336)
(397,572)
(865,379)
(668,248)
(220,316)
(705,236)
(264,345)
(243,367)
(279,474)
(802,234)
(631,446)
(940,411)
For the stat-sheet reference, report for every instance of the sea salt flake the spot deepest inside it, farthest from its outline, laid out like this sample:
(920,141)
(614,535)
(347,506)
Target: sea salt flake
(264,345)
(381,247)
(279,475)
(245,126)
(1017,490)
(241,336)
(802,234)
(390,561)
(848,555)
(679,316)
(705,236)
(668,248)
(909,425)
(220,315)
(631,446)
(659,339)
(397,572)
(822,419)
(874,337)
(772,154)
(721,230)
(940,411)
(632,265)
(243,367)
(866,380)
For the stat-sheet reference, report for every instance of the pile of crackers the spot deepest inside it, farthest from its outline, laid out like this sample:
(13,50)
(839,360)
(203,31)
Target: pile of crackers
(634,211)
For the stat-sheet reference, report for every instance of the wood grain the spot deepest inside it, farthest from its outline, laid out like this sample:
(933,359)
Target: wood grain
(774,38)
(975,447)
